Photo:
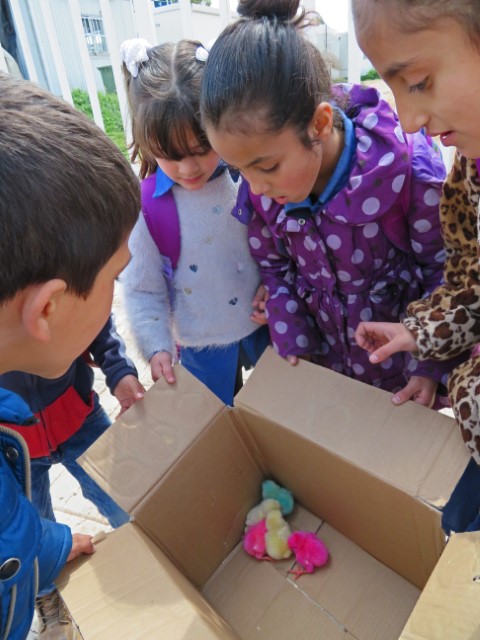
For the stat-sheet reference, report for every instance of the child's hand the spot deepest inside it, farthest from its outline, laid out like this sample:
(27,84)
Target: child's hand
(127,392)
(161,365)
(259,303)
(383,339)
(418,389)
(293,360)
(81,543)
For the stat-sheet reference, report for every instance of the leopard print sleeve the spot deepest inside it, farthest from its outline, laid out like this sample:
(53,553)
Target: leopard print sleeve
(447,322)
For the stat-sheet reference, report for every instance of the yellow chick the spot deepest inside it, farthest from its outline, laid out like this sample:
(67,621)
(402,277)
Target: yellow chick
(276,538)
(260,511)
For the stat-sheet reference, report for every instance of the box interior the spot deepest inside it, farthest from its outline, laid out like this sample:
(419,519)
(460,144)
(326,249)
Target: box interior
(373,499)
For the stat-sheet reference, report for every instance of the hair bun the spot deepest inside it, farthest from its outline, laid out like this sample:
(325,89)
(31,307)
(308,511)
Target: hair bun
(281,9)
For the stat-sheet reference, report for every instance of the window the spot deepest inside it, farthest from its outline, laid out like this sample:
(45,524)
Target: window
(95,35)
(163,3)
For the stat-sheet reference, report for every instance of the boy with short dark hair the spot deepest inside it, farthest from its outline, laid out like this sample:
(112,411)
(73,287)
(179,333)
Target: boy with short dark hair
(68,201)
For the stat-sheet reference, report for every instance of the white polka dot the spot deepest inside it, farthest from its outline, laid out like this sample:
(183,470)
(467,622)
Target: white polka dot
(391,254)
(350,332)
(440,256)
(302,341)
(359,283)
(334,242)
(301,261)
(387,159)
(364,143)
(323,315)
(280,291)
(281,327)
(352,298)
(406,275)
(431,197)
(412,365)
(265,263)
(331,340)
(315,276)
(340,218)
(358,256)
(399,133)
(370,206)
(291,306)
(370,230)
(309,244)
(324,348)
(370,121)
(377,263)
(397,183)
(356,181)
(359,370)
(422,226)
(326,273)
(266,202)
(366,314)
(344,276)
(272,256)
(387,364)
(266,233)
(255,243)
(416,246)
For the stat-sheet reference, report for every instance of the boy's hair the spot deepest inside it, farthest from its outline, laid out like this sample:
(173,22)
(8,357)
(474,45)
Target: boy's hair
(68,197)
(412,16)
(262,74)
(164,103)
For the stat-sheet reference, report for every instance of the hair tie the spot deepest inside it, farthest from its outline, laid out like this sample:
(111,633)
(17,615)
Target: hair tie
(133,52)
(201,54)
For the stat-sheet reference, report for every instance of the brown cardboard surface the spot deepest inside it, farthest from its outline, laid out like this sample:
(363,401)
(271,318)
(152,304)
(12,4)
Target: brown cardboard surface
(393,526)
(149,438)
(191,469)
(360,423)
(449,607)
(129,590)
(353,591)
(197,514)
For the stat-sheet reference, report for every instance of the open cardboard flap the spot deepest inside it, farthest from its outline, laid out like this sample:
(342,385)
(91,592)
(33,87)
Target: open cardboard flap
(368,477)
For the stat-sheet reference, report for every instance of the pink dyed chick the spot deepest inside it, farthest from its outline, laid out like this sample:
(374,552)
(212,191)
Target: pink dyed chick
(254,540)
(309,551)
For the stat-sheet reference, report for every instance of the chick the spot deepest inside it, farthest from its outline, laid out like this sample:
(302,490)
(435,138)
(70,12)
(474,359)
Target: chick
(260,511)
(310,552)
(276,538)
(271,490)
(254,540)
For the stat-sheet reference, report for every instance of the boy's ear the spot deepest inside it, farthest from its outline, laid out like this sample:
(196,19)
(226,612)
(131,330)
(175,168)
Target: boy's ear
(321,124)
(39,306)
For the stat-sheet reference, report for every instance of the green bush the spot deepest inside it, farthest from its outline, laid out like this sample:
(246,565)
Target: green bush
(112,118)
(372,74)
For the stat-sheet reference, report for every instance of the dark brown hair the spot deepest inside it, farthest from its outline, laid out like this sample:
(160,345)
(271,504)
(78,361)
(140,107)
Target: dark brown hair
(412,16)
(164,104)
(68,197)
(262,73)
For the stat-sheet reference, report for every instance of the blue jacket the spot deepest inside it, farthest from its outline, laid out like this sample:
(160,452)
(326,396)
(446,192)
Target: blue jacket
(32,551)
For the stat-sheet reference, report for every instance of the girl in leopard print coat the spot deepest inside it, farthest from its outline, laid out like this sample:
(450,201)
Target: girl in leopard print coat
(408,51)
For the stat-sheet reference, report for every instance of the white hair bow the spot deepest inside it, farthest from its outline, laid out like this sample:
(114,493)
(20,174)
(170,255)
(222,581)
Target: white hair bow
(133,52)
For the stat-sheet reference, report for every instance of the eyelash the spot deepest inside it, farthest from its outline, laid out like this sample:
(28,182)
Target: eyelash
(271,170)
(421,86)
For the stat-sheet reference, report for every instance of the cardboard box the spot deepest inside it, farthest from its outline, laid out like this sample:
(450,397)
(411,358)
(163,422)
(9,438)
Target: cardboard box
(367,476)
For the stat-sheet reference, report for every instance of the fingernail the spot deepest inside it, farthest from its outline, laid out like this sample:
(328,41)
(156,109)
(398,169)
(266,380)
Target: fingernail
(396,400)
(373,358)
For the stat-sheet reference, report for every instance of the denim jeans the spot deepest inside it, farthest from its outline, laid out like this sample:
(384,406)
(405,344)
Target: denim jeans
(66,454)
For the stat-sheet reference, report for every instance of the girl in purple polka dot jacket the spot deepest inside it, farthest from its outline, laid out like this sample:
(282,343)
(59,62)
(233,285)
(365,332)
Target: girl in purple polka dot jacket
(341,204)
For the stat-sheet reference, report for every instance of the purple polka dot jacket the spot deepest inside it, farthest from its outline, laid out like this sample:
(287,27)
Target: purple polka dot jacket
(367,252)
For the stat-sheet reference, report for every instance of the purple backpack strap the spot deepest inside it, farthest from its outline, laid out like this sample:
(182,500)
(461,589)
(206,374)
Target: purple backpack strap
(161,217)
